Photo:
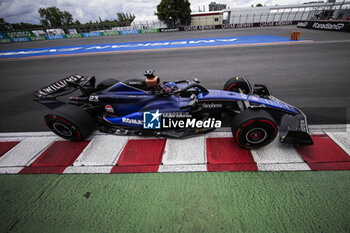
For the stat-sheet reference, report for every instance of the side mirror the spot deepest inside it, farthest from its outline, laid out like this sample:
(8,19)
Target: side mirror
(196,80)
(261,90)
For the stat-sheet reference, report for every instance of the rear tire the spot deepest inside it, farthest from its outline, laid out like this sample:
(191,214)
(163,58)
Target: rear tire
(70,122)
(238,84)
(254,128)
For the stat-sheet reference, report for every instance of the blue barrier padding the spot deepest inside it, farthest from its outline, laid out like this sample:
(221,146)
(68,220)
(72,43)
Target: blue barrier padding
(147,45)
(20,39)
(55,37)
(92,34)
(130,32)
(2,35)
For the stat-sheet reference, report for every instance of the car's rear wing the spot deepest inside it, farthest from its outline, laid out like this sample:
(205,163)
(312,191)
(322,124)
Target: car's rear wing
(58,88)
(47,95)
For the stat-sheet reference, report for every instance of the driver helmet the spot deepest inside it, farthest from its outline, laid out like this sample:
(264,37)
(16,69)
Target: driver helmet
(170,87)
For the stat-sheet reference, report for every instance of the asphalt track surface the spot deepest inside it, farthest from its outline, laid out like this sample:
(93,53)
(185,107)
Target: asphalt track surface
(313,75)
(308,75)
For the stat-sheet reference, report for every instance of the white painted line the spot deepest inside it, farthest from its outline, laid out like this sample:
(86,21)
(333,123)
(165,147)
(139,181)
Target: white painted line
(88,169)
(10,170)
(317,133)
(342,139)
(185,151)
(26,151)
(102,150)
(183,168)
(38,134)
(276,153)
(283,167)
(28,134)
(12,139)
(331,41)
(143,137)
(332,128)
(219,135)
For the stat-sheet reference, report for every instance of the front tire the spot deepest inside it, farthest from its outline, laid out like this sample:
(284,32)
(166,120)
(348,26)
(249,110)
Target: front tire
(70,122)
(238,84)
(254,128)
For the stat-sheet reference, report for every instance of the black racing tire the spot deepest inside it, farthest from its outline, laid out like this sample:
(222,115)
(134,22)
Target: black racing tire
(70,122)
(254,128)
(106,83)
(238,84)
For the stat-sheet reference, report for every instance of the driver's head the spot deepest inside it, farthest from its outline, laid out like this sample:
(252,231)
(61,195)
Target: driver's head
(170,87)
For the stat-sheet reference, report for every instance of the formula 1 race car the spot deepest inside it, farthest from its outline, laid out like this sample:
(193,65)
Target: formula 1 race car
(179,109)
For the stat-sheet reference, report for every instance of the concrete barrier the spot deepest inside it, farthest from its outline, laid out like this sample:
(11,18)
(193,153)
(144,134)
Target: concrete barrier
(4,39)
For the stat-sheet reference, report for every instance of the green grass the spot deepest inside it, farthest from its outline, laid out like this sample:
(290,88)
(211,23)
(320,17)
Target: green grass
(184,202)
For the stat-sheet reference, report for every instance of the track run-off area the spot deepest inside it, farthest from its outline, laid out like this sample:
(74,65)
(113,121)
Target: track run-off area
(154,45)
(113,183)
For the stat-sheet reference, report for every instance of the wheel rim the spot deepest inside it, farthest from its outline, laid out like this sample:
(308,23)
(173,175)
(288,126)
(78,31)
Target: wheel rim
(62,129)
(256,135)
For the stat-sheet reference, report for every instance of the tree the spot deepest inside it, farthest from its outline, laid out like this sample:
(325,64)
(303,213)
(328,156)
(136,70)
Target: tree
(259,5)
(174,12)
(125,18)
(4,26)
(67,18)
(53,17)
(21,26)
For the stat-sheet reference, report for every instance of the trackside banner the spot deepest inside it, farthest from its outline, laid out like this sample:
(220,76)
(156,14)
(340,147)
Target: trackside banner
(55,37)
(341,26)
(19,34)
(150,30)
(92,34)
(169,29)
(24,36)
(237,25)
(110,33)
(5,41)
(129,32)
(74,35)
(20,39)
(37,38)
